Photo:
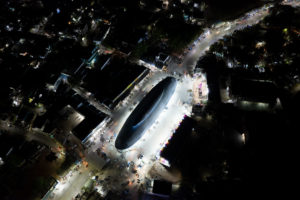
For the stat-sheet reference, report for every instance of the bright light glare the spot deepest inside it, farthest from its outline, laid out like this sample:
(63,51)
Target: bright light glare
(243,137)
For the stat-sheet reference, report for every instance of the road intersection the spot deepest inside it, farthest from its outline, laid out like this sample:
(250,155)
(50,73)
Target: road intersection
(128,169)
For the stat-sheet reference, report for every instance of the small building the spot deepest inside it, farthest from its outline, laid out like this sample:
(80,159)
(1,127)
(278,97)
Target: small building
(162,187)
(162,60)
(161,190)
(253,90)
(69,118)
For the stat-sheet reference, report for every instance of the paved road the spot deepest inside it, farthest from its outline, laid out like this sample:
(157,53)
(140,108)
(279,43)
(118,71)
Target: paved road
(293,3)
(34,134)
(212,35)
(72,184)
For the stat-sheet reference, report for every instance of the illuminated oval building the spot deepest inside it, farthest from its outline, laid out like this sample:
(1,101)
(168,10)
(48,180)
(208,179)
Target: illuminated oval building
(145,114)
